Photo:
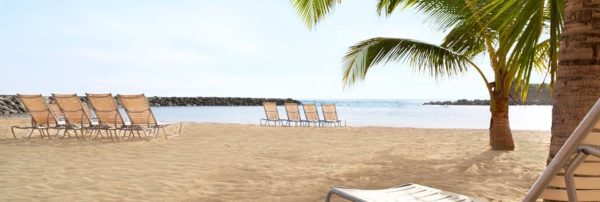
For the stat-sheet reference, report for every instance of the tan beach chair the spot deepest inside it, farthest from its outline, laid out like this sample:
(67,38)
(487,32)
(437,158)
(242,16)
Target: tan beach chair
(107,113)
(43,117)
(141,116)
(312,115)
(572,175)
(293,114)
(75,114)
(330,116)
(272,114)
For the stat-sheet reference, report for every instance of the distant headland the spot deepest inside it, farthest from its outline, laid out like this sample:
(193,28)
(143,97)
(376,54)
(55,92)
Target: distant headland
(539,94)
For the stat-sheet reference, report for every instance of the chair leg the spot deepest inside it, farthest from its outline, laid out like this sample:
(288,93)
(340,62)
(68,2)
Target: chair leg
(41,133)
(164,133)
(569,175)
(82,136)
(328,197)
(116,134)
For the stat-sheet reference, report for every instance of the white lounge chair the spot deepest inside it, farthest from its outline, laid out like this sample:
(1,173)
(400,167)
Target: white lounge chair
(405,192)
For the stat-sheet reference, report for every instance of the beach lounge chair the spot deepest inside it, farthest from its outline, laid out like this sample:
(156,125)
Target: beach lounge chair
(141,116)
(312,115)
(75,114)
(293,114)
(272,114)
(330,116)
(572,175)
(43,117)
(107,113)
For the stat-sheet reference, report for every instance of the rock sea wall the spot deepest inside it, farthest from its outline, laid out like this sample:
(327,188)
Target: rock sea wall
(10,104)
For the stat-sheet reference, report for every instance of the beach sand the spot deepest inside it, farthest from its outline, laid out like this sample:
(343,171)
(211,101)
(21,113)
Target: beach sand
(231,162)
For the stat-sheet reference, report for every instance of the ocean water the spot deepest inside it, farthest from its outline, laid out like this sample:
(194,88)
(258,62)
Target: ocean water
(392,113)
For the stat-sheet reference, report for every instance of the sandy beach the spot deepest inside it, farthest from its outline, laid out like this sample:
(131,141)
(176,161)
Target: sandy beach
(232,162)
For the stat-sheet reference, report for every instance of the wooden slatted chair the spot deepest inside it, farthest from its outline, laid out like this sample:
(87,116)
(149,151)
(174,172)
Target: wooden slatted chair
(312,115)
(107,113)
(272,114)
(293,114)
(43,117)
(140,115)
(330,116)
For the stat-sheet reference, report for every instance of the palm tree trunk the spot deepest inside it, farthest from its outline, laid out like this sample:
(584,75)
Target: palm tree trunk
(500,134)
(578,76)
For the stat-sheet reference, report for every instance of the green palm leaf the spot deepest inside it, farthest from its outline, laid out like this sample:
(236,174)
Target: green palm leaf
(436,60)
(311,11)
(523,23)
(466,39)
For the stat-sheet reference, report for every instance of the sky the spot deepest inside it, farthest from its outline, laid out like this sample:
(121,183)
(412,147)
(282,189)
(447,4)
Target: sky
(234,48)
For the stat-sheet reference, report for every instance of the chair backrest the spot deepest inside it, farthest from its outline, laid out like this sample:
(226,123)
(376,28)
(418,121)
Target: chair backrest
(271,110)
(291,109)
(106,109)
(310,112)
(38,109)
(329,112)
(138,109)
(72,108)
(552,184)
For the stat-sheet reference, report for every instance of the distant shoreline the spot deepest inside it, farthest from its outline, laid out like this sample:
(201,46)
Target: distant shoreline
(486,102)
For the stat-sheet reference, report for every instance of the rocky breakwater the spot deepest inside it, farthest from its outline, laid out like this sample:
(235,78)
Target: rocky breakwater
(10,104)
(214,101)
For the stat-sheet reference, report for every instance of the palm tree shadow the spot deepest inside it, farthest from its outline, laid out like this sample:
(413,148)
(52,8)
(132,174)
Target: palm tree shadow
(485,172)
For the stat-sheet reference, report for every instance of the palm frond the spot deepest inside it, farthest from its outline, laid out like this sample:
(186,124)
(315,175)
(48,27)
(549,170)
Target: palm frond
(522,24)
(466,39)
(387,7)
(436,60)
(539,64)
(312,11)
(442,14)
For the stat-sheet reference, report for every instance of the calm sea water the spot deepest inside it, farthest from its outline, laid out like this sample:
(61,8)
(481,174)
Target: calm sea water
(394,113)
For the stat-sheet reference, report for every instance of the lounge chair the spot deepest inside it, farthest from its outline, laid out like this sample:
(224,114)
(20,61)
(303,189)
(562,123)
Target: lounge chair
(405,192)
(293,114)
(330,116)
(272,114)
(572,175)
(76,116)
(141,116)
(312,115)
(107,113)
(42,117)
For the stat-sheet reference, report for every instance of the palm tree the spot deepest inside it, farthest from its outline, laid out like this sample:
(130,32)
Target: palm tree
(473,30)
(578,76)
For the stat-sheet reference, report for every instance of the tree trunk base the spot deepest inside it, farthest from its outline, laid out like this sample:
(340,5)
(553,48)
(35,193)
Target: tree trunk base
(500,134)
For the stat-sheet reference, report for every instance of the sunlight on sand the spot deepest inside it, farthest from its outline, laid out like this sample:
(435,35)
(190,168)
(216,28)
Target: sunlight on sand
(252,163)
